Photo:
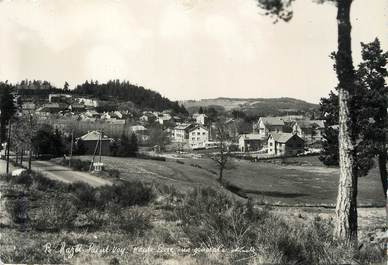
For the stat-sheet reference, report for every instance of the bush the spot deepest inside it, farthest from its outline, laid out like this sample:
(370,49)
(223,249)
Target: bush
(124,194)
(113,173)
(44,183)
(195,165)
(24,178)
(57,213)
(134,221)
(179,162)
(210,218)
(157,158)
(18,208)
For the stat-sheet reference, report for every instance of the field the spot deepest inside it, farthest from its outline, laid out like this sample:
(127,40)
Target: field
(294,181)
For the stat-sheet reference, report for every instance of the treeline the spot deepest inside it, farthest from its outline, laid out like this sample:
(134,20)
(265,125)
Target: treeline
(125,91)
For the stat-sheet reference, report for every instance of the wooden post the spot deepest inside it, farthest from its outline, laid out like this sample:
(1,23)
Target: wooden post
(71,147)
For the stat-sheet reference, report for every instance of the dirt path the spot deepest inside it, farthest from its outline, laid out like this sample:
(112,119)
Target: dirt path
(64,174)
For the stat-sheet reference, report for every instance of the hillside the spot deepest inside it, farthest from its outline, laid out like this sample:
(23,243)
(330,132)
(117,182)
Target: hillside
(254,106)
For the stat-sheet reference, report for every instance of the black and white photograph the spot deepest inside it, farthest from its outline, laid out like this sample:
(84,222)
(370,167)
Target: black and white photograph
(193,132)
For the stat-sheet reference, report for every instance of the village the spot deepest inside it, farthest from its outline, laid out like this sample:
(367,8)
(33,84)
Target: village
(288,135)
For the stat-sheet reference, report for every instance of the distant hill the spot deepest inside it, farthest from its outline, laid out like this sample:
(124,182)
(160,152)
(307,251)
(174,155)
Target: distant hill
(253,106)
(125,91)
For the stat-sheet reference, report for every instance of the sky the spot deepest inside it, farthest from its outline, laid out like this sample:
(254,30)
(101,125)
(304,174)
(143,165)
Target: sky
(184,49)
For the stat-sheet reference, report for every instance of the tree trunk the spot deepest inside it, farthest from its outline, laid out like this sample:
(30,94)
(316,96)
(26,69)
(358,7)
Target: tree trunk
(21,158)
(346,208)
(221,174)
(29,159)
(383,170)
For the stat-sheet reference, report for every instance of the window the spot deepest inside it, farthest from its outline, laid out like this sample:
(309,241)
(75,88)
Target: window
(198,133)
(203,133)
(270,144)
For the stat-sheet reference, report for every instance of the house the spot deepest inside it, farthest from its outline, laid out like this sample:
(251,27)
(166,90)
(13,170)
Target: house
(59,98)
(251,142)
(180,133)
(267,125)
(89,102)
(165,117)
(91,143)
(105,116)
(285,144)
(198,136)
(77,107)
(309,130)
(200,118)
(28,106)
(53,107)
(140,131)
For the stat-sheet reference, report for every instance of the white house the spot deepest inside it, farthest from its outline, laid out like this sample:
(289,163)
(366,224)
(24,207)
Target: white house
(251,142)
(200,118)
(309,130)
(180,133)
(267,125)
(285,144)
(164,117)
(198,136)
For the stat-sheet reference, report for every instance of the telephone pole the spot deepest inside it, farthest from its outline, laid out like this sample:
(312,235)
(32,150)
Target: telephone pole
(71,147)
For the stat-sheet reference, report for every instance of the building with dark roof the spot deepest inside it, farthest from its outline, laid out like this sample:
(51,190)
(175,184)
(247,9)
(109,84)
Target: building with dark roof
(285,144)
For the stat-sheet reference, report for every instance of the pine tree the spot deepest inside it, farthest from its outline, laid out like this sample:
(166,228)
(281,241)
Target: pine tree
(7,109)
(346,208)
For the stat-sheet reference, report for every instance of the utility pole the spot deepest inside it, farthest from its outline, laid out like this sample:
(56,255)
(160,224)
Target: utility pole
(8,144)
(101,132)
(71,147)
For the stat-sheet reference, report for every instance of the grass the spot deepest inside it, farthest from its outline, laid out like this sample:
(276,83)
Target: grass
(294,181)
(77,214)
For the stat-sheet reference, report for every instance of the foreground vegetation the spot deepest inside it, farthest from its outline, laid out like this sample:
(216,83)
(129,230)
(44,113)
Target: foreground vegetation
(137,223)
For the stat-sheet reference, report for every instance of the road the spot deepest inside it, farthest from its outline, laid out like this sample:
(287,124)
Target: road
(57,172)
(64,174)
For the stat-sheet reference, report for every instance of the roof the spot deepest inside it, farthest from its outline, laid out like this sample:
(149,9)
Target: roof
(94,136)
(183,126)
(136,128)
(196,115)
(252,136)
(282,137)
(272,121)
(198,126)
(310,123)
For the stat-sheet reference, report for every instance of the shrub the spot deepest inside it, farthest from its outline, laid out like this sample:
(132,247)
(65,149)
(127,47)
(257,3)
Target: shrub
(85,195)
(210,218)
(18,208)
(113,173)
(23,178)
(57,213)
(124,194)
(157,158)
(44,183)
(195,165)
(134,221)
(179,162)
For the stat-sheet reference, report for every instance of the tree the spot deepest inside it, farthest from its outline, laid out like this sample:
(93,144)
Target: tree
(371,75)
(48,141)
(200,111)
(24,130)
(7,109)
(133,145)
(159,137)
(66,86)
(346,208)
(127,147)
(223,154)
